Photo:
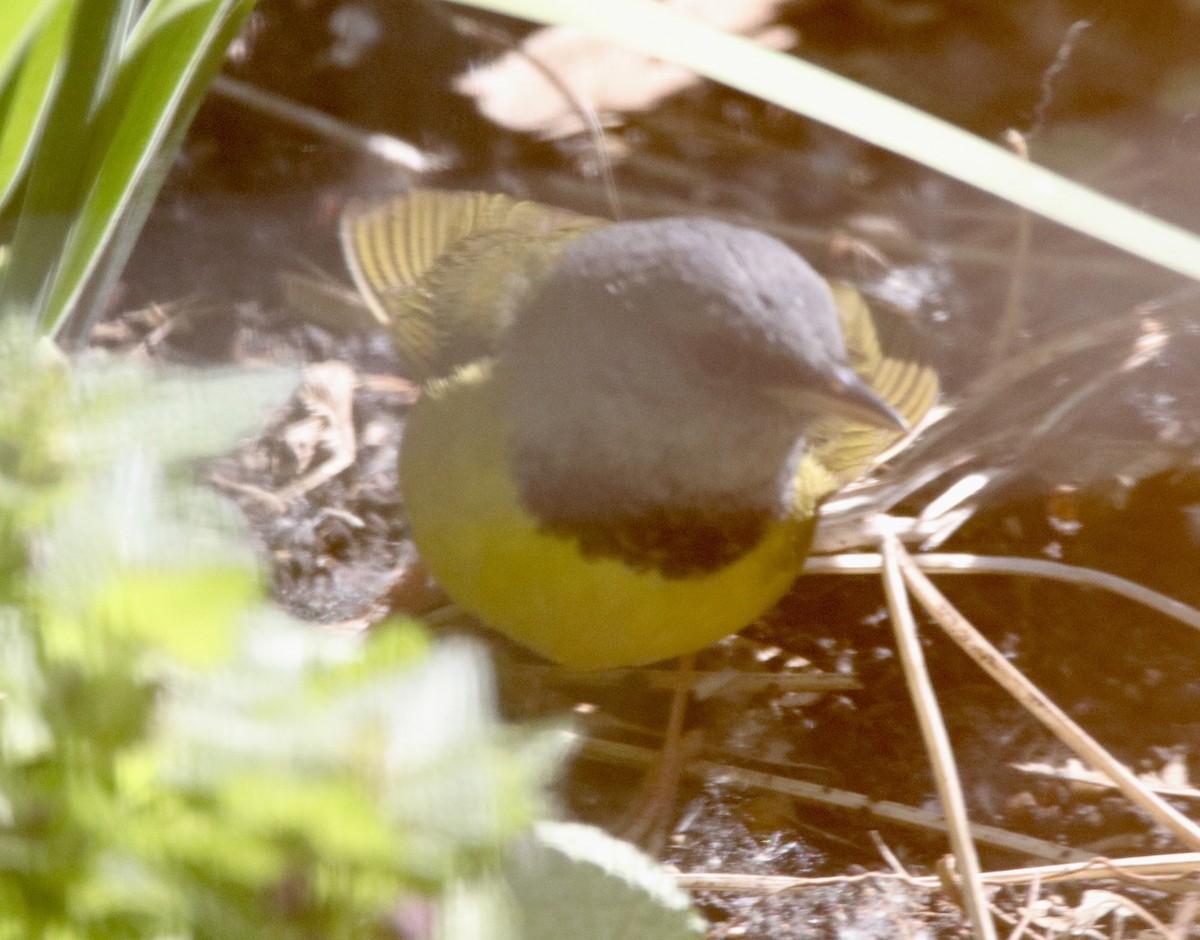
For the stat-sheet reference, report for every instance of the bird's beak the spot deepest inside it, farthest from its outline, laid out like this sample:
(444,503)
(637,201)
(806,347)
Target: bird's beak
(844,394)
(847,396)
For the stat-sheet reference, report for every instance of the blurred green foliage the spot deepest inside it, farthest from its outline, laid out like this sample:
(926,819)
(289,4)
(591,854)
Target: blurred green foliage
(176,760)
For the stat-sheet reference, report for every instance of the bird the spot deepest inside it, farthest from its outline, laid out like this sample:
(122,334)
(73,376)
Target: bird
(626,429)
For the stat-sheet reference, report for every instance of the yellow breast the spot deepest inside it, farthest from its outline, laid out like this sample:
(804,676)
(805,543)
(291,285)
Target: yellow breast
(536,588)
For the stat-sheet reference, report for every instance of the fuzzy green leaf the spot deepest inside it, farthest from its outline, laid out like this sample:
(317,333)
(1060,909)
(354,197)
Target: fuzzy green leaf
(190,612)
(571,880)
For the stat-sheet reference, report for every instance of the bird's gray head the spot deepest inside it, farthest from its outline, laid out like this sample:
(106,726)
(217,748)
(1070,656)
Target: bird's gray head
(672,366)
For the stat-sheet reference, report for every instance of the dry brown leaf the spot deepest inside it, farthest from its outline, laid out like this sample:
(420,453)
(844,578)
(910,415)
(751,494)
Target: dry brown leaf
(603,76)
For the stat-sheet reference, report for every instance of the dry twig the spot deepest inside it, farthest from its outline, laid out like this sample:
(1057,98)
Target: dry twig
(937,741)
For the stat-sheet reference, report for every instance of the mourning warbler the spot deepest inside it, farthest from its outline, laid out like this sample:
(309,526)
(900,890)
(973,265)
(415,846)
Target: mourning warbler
(626,428)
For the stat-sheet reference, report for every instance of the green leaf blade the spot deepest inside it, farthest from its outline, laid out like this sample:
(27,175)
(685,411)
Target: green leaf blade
(173,52)
(19,22)
(56,183)
(26,100)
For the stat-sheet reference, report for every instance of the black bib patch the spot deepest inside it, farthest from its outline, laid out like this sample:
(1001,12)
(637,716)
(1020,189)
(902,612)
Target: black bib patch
(676,542)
